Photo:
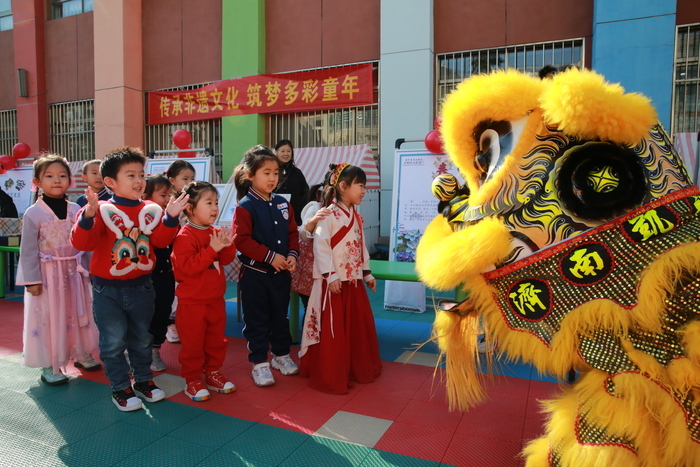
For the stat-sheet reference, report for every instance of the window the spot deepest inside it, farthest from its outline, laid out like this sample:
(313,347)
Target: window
(686,82)
(453,68)
(63,8)
(72,129)
(323,128)
(8,130)
(6,15)
(205,133)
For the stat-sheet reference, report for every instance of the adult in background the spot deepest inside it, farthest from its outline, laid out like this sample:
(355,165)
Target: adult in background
(7,205)
(292,180)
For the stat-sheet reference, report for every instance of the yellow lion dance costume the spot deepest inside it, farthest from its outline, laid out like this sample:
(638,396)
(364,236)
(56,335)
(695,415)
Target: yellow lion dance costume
(577,242)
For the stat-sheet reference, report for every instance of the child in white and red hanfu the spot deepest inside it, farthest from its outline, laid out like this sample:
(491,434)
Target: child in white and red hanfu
(339,338)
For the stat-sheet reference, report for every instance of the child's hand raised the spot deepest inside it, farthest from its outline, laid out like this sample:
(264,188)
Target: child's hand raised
(279,263)
(220,240)
(176,206)
(320,214)
(231,237)
(93,203)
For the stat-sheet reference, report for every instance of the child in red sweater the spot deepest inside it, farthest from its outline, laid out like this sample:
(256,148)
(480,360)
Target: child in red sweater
(123,234)
(200,252)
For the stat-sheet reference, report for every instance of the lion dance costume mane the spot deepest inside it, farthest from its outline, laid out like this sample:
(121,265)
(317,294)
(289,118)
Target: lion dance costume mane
(577,240)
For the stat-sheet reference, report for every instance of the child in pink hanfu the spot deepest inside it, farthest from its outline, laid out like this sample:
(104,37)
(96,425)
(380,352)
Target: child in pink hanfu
(58,322)
(339,339)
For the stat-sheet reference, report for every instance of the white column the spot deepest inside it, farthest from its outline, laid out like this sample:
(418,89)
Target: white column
(406,85)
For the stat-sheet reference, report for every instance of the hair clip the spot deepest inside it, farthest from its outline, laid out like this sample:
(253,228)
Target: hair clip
(335,176)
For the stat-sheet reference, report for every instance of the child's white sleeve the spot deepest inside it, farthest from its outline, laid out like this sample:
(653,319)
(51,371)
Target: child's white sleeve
(307,214)
(29,269)
(323,253)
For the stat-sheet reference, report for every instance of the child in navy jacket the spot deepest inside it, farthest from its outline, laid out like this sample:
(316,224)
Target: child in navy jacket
(267,240)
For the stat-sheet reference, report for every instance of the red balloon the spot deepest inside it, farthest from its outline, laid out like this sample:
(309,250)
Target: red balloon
(21,151)
(8,162)
(186,154)
(437,122)
(182,138)
(433,143)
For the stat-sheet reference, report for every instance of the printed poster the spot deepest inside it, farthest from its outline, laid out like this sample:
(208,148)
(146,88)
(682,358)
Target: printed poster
(414,208)
(18,184)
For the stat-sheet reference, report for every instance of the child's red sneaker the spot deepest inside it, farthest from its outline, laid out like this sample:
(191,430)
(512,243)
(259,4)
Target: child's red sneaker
(217,382)
(196,391)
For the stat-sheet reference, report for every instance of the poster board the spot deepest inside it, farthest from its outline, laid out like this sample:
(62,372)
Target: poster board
(18,184)
(202,166)
(227,203)
(413,208)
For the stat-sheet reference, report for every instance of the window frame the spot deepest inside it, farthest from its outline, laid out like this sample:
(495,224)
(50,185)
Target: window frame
(685,61)
(491,57)
(57,8)
(7,14)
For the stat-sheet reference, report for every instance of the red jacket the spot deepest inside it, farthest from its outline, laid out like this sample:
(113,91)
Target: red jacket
(123,239)
(199,270)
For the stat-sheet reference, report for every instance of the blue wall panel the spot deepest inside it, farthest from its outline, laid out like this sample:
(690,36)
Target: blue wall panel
(633,45)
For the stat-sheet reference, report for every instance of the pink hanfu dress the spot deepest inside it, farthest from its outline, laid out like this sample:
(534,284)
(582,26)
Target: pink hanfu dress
(58,323)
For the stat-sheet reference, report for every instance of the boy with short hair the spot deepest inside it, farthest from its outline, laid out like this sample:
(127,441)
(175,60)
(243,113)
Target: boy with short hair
(92,176)
(123,233)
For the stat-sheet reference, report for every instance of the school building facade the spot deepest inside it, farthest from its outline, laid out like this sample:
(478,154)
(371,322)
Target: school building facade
(75,75)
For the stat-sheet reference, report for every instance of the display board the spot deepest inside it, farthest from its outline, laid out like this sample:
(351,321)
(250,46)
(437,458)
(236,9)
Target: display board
(414,206)
(202,166)
(18,184)
(227,203)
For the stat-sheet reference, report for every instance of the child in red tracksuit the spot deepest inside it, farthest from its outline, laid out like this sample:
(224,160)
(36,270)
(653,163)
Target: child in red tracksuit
(200,252)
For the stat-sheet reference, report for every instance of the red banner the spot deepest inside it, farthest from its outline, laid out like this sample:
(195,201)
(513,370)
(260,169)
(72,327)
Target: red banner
(304,91)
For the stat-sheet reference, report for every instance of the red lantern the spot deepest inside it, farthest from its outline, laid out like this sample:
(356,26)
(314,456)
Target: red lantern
(182,138)
(21,151)
(433,143)
(8,162)
(187,154)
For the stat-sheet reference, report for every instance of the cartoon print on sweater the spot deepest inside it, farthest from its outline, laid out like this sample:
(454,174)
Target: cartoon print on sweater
(132,248)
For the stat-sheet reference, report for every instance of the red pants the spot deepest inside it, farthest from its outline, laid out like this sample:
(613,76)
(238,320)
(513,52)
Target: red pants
(349,350)
(201,328)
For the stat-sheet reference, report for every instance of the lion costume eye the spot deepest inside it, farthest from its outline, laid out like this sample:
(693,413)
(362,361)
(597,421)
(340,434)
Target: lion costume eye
(495,142)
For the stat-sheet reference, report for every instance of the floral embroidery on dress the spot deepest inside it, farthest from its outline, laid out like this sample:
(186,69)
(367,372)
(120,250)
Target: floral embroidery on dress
(312,331)
(352,259)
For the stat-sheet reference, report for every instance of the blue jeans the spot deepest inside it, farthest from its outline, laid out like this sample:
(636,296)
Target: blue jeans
(122,316)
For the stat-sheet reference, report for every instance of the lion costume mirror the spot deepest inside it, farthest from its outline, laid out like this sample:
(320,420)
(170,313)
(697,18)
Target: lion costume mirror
(576,240)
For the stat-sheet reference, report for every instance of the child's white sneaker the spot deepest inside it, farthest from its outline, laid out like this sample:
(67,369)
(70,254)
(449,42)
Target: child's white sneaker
(262,376)
(49,378)
(157,363)
(126,400)
(149,391)
(88,364)
(285,365)
(172,335)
